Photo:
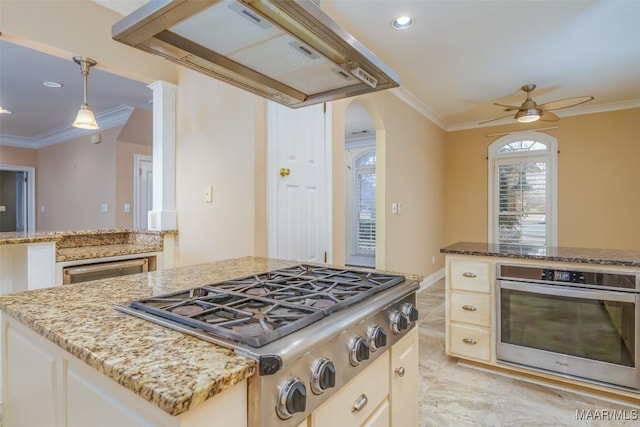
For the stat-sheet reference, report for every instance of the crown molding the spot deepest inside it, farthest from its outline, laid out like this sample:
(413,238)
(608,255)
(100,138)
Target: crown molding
(415,103)
(108,119)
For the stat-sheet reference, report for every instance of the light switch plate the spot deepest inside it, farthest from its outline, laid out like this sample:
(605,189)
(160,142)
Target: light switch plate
(208,194)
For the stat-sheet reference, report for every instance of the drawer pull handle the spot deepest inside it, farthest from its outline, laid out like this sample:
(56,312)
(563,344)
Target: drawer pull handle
(400,371)
(469,308)
(469,275)
(469,341)
(360,403)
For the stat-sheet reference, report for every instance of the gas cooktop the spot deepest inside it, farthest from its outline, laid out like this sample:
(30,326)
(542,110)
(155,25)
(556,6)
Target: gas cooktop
(258,309)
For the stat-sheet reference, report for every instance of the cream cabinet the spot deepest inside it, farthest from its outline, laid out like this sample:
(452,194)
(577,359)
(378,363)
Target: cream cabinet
(469,308)
(46,386)
(359,399)
(404,381)
(384,394)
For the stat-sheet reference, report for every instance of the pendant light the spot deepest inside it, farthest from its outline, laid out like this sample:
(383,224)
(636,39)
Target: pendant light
(85,118)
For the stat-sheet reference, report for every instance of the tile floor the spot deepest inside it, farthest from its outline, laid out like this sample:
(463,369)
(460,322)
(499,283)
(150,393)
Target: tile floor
(453,395)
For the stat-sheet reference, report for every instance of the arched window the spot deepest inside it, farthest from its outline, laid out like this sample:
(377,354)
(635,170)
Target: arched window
(364,168)
(522,189)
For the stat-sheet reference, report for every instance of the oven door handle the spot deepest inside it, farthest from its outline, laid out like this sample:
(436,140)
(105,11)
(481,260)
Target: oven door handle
(593,294)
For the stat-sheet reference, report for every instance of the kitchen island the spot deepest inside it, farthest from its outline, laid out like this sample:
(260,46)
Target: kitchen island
(560,316)
(34,260)
(70,354)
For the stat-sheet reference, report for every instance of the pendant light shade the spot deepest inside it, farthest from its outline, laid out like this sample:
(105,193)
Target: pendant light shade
(85,118)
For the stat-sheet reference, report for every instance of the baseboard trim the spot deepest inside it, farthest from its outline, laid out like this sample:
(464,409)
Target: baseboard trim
(431,279)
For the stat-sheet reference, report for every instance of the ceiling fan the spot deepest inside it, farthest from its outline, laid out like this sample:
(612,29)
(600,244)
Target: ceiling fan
(529,111)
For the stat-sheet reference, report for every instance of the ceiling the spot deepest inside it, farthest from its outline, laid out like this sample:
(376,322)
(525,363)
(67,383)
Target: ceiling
(42,115)
(462,56)
(458,59)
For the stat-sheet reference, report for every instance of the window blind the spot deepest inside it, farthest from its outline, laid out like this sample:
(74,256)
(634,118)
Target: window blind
(522,202)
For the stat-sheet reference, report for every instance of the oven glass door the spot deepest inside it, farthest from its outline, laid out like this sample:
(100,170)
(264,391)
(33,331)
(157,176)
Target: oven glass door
(587,324)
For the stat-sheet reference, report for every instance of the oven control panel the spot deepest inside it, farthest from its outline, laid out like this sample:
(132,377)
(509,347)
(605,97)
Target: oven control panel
(600,278)
(562,276)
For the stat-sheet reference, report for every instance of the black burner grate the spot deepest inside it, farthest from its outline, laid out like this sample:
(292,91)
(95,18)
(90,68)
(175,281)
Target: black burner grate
(261,308)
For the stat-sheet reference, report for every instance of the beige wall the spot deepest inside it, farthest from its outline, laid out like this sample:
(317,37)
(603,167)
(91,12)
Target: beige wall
(598,173)
(410,170)
(73,179)
(16,156)
(76,177)
(216,145)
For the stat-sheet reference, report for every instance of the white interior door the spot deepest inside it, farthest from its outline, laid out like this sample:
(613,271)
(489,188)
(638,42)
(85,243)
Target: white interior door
(299,196)
(21,201)
(143,190)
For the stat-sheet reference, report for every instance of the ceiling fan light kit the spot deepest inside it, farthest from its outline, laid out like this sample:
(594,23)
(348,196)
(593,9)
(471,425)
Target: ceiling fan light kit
(530,111)
(528,116)
(85,118)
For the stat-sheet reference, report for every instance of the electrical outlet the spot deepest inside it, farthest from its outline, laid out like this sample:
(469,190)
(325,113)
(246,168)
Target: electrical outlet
(104,208)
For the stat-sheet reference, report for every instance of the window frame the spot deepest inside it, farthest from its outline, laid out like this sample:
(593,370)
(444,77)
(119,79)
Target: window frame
(361,169)
(549,155)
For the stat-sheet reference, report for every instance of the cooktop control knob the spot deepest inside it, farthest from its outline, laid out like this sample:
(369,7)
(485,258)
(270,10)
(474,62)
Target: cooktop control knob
(410,311)
(399,322)
(377,337)
(359,351)
(323,376)
(292,398)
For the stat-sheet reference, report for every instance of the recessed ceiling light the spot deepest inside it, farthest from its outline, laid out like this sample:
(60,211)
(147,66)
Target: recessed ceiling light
(52,84)
(402,23)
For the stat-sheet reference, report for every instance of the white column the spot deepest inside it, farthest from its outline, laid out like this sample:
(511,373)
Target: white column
(163,216)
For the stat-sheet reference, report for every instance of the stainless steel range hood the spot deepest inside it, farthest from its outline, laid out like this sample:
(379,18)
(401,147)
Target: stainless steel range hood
(288,51)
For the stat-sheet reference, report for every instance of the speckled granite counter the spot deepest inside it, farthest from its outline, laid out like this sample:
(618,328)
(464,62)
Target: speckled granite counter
(547,253)
(86,244)
(172,370)
(169,369)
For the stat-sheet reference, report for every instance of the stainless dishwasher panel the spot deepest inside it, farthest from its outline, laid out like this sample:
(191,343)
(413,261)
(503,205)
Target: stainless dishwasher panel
(103,270)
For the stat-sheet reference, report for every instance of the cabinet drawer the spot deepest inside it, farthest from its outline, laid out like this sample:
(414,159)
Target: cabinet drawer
(371,385)
(470,308)
(470,275)
(470,341)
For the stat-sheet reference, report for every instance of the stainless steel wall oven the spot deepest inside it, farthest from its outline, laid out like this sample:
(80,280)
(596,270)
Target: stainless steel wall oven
(575,322)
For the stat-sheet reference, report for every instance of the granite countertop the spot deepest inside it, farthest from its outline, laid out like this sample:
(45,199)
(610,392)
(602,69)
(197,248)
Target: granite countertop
(102,251)
(87,244)
(167,368)
(547,253)
(20,237)
(172,370)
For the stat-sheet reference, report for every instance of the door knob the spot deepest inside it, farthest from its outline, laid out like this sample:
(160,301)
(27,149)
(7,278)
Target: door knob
(285,171)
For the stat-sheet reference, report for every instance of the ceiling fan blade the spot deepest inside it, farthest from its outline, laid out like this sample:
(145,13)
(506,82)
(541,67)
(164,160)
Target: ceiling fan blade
(548,116)
(497,118)
(565,103)
(508,107)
